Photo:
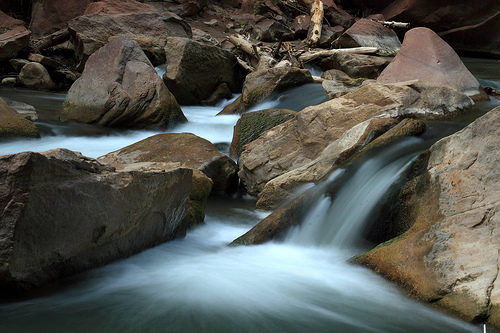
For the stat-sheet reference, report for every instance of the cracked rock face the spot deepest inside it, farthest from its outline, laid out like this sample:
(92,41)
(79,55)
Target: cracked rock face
(450,254)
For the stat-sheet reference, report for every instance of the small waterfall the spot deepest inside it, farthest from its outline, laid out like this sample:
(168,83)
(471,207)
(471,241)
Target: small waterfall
(341,219)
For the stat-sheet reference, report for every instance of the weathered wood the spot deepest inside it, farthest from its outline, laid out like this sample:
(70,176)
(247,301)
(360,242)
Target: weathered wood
(56,38)
(244,64)
(308,56)
(244,45)
(392,24)
(317,14)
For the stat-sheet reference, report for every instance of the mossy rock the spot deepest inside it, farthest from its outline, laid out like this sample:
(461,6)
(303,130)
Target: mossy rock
(202,186)
(12,124)
(251,125)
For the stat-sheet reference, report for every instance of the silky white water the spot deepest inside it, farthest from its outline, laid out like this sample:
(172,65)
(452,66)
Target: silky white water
(199,284)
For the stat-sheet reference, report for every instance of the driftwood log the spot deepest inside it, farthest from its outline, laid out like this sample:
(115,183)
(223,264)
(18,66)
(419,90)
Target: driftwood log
(308,56)
(53,39)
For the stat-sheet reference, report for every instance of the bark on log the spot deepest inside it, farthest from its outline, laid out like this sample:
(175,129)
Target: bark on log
(308,56)
(317,14)
(56,38)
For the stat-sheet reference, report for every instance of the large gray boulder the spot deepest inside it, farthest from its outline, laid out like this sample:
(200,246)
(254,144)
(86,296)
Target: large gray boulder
(195,70)
(62,213)
(180,150)
(450,254)
(120,87)
(149,29)
(300,141)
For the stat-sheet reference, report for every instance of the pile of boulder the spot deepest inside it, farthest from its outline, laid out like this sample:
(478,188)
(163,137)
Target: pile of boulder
(382,80)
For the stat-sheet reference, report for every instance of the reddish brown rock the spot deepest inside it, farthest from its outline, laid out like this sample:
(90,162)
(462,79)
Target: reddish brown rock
(150,29)
(425,56)
(48,16)
(179,150)
(8,23)
(118,7)
(13,41)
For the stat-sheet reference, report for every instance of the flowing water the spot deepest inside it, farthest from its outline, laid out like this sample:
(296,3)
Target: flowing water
(199,284)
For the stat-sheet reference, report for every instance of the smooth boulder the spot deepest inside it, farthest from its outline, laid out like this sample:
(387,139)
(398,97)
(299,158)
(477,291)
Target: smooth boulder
(181,150)
(35,76)
(120,87)
(425,56)
(195,70)
(449,253)
(63,213)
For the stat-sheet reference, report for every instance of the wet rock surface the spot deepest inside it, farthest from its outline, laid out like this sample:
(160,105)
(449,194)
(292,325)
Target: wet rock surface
(449,255)
(63,213)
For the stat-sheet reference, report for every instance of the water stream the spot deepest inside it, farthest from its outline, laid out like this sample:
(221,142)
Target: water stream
(199,284)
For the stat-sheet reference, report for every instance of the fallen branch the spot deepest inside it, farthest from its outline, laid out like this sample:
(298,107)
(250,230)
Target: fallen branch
(308,56)
(246,46)
(392,24)
(244,64)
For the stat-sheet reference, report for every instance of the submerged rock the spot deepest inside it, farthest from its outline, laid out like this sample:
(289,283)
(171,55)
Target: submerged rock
(120,87)
(25,110)
(63,213)
(180,150)
(449,256)
(13,124)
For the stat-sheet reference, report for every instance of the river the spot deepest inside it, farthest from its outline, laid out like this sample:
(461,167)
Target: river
(303,283)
